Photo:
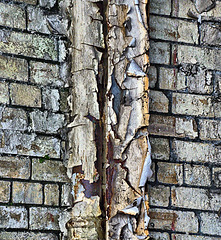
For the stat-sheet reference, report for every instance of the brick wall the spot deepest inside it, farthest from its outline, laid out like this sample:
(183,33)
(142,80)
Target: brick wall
(185,126)
(33,109)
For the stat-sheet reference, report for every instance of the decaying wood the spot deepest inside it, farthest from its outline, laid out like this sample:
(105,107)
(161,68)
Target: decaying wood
(128,163)
(83,220)
(109,151)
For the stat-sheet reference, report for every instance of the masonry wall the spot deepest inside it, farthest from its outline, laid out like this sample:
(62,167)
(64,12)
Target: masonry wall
(33,113)
(185,125)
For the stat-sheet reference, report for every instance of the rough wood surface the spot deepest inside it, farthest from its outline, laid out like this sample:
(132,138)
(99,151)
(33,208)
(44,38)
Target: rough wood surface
(128,163)
(108,142)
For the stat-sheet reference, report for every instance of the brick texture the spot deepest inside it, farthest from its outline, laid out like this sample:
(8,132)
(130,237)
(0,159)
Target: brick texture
(34,186)
(185,125)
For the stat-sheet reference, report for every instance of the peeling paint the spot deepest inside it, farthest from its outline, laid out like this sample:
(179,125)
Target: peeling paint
(128,147)
(108,142)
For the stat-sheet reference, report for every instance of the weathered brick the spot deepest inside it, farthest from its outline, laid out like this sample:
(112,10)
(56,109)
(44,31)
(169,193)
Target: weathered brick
(159,236)
(186,127)
(188,54)
(30,193)
(181,8)
(170,173)
(50,98)
(14,167)
(210,34)
(152,76)
(195,198)
(210,223)
(4,191)
(171,126)
(40,22)
(64,93)
(217,107)
(46,122)
(162,125)
(15,119)
(47,3)
(4,96)
(51,194)
(217,80)
(44,218)
(173,29)
(158,101)
(66,197)
(217,177)
(37,20)
(160,148)
(173,220)
(25,95)
(49,171)
(45,74)
(160,52)
(191,237)
(201,82)
(13,217)
(32,2)
(210,129)
(191,77)
(14,142)
(27,236)
(13,68)
(89,231)
(28,45)
(204,6)
(12,16)
(160,7)
(197,175)
(171,79)
(200,152)
(217,91)
(198,78)
(159,195)
(192,105)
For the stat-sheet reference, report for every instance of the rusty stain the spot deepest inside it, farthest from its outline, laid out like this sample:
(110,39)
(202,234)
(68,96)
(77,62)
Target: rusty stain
(204,101)
(173,195)
(35,147)
(174,60)
(77,169)
(15,216)
(50,217)
(110,172)
(110,150)
(175,35)
(24,149)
